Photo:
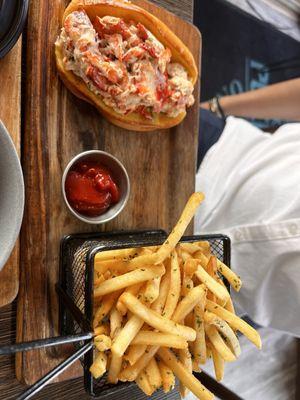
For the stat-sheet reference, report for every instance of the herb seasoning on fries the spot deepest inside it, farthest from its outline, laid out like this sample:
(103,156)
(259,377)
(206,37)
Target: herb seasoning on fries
(162,311)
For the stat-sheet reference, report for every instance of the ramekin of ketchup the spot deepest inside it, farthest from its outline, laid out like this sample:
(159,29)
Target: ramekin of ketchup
(95,186)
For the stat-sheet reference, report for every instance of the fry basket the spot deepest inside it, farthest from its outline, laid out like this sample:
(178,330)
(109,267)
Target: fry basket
(75,286)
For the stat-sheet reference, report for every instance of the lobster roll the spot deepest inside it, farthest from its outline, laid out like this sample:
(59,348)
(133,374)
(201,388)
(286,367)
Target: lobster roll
(127,63)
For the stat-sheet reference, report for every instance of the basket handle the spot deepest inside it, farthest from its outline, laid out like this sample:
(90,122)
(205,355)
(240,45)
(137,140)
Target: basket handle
(217,388)
(55,372)
(42,343)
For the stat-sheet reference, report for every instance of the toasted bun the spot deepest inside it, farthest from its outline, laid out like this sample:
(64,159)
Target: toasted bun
(127,11)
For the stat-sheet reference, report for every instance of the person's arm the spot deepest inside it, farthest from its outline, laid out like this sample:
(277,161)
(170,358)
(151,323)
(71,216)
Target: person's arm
(278,101)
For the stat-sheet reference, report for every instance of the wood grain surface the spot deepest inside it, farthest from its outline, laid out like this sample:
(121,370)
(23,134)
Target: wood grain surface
(10,114)
(161,166)
(73,389)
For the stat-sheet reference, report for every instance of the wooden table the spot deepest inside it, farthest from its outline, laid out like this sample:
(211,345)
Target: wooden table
(9,386)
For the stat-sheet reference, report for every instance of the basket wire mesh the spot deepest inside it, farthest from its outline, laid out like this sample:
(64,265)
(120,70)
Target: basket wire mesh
(75,285)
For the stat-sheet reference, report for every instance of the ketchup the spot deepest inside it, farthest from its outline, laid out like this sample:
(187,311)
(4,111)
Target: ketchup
(90,189)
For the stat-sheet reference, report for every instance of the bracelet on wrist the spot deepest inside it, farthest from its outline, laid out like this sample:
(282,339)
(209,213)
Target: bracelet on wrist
(215,107)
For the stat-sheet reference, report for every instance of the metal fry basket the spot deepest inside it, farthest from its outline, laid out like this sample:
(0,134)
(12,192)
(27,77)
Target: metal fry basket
(75,286)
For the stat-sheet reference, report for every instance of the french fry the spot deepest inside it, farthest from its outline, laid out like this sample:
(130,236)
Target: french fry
(184,376)
(148,250)
(229,305)
(121,308)
(211,284)
(204,244)
(99,280)
(104,308)
(167,376)
(169,244)
(208,351)
(193,248)
(189,247)
(115,322)
(219,344)
(205,248)
(186,360)
(126,335)
(142,260)
(219,364)
(189,211)
(122,264)
(128,279)
(151,292)
(181,316)
(114,368)
(185,256)
(211,269)
(102,342)
(107,275)
(130,373)
(115,265)
(116,254)
(159,339)
(98,368)
(143,257)
(199,346)
(155,302)
(143,383)
(222,303)
(233,279)
(135,351)
(145,357)
(189,319)
(153,373)
(155,320)
(175,287)
(134,289)
(196,366)
(101,330)
(226,331)
(187,285)
(235,322)
(159,303)
(186,305)
(199,256)
(189,267)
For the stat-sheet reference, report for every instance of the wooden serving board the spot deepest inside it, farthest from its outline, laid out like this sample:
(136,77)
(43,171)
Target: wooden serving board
(10,114)
(161,167)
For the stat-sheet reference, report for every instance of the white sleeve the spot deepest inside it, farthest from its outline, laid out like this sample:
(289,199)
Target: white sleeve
(270,270)
(251,185)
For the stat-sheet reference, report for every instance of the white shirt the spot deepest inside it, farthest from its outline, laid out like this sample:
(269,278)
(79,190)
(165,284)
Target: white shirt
(251,182)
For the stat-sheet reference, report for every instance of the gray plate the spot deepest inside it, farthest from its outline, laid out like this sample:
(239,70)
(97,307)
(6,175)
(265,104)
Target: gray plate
(11,195)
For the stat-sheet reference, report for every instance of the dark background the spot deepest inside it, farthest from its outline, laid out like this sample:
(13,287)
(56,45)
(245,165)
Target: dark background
(241,52)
